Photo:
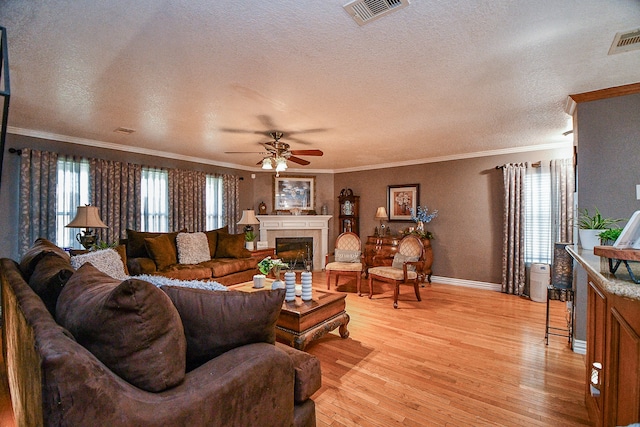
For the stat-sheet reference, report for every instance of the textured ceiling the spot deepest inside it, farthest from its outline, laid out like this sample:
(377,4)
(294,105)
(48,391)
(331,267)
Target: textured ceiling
(195,78)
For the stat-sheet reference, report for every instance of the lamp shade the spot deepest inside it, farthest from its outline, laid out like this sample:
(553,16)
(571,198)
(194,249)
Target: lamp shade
(248,218)
(87,217)
(381,213)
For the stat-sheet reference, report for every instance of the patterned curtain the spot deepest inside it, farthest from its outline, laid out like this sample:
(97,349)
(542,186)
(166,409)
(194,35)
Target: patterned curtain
(115,190)
(513,268)
(38,179)
(562,190)
(231,201)
(187,194)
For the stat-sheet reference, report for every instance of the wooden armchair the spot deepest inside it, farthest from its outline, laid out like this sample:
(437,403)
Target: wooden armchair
(404,269)
(347,259)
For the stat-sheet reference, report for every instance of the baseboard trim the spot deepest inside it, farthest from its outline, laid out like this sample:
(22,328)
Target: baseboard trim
(467,283)
(579,346)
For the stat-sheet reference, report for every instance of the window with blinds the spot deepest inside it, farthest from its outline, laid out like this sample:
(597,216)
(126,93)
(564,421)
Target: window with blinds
(537,222)
(213,197)
(154,195)
(72,190)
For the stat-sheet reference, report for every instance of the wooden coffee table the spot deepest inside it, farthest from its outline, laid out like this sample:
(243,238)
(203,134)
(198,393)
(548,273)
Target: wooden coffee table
(301,322)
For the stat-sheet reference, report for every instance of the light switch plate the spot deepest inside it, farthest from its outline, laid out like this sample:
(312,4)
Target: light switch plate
(638,191)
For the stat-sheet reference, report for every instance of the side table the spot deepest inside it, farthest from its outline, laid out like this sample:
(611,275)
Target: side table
(261,254)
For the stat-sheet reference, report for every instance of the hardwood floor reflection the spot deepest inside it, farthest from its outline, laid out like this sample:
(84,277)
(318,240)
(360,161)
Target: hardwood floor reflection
(461,357)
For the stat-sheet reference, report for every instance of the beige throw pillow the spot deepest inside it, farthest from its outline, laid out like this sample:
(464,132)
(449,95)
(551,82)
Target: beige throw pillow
(193,248)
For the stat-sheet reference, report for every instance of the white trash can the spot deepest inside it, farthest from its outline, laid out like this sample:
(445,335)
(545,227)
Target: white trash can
(538,281)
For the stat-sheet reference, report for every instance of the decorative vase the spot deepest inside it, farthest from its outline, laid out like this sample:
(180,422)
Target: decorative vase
(589,238)
(249,245)
(420,227)
(290,285)
(277,283)
(307,280)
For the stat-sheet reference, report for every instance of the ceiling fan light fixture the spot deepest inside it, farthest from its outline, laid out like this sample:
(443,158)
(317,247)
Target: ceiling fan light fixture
(266,163)
(281,164)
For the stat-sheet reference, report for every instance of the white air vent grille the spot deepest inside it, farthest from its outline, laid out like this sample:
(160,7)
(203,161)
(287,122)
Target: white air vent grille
(124,131)
(625,42)
(364,11)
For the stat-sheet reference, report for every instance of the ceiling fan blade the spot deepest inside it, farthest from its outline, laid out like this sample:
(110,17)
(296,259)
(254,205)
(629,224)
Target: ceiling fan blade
(307,152)
(299,161)
(242,152)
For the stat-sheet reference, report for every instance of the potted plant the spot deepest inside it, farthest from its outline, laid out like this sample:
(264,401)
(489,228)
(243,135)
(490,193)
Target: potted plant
(249,237)
(421,217)
(609,236)
(590,226)
(275,265)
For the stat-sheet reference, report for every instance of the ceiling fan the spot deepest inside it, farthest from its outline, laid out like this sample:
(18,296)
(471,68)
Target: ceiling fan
(278,153)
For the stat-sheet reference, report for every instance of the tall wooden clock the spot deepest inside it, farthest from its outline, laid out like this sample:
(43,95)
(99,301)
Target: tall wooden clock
(349,211)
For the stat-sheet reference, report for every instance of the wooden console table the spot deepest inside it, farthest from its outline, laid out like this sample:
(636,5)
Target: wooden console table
(380,251)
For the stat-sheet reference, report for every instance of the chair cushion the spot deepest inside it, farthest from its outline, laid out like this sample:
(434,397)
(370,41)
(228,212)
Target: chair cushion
(49,277)
(162,250)
(392,273)
(106,260)
(344,266)
(399,260)
(131,326)
(218,321)
(343,255)
(193,248)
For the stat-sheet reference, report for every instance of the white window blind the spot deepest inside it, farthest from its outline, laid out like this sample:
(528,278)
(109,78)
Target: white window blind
(154,193)
(72,190)
(214,193)
(538,224)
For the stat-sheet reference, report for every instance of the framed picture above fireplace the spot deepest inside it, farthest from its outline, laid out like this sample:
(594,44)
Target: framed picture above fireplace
(294,194)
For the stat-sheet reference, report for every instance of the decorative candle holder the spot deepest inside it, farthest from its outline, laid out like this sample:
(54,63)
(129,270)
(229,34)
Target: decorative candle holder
(307,280)
(258,281)
(290,285)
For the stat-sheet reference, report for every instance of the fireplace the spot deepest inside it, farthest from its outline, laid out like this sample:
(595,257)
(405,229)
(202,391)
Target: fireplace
(295,251)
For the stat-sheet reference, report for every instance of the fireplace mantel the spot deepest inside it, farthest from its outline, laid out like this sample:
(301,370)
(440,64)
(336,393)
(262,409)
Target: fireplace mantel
(272,226)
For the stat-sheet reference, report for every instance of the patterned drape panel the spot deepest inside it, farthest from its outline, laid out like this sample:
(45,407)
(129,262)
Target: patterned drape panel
(38,178)
(513,268)
(115,190)
(187,206)
(562,190)
(231,201)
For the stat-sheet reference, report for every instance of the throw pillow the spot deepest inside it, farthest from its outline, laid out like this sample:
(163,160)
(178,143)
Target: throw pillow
(122,251)
(343,255)
(231,246)
(212,238)
(106,260)
(40,247)
(131,326)
(399,260)
(136,247)
(216,322)
(193,248)
(49,277)
(162,250)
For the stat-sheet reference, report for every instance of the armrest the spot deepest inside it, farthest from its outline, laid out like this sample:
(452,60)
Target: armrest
(138,266)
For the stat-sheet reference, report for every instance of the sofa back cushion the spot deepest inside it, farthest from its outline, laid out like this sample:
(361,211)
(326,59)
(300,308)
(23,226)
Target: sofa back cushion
(131,326)
(231,246)
(212,239)
(49,276)
(162,250)
(136,247)
(218,321)
(30,259)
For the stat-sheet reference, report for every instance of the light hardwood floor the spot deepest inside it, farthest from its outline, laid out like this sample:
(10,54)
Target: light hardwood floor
(461,357)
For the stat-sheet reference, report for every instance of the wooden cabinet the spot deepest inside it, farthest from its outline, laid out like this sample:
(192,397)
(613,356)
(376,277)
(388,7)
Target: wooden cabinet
(349,217)
(379,250)
(613,357)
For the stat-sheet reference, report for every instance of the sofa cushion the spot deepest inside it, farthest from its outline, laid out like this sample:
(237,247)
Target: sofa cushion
(212,239)
(308,378)
(106,260)
(221,267)
(130,326)
(50,275)
(192,248)
(185,272)
(217,321)
(122,251)
(136,247)
(40,247)
(162,250)
(231,246)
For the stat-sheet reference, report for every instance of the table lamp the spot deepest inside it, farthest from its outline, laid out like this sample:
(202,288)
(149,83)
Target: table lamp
(87,217)
(381,215)
(248,220)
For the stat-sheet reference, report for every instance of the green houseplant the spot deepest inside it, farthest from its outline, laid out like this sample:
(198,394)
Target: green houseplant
(609,236)
(591,226)
(249,237)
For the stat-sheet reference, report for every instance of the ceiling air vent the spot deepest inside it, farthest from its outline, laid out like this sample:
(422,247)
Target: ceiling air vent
(625,42)
(124,131)
(365,11)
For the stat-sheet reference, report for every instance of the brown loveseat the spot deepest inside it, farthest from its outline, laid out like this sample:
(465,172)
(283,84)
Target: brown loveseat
(158,254)
(131,354)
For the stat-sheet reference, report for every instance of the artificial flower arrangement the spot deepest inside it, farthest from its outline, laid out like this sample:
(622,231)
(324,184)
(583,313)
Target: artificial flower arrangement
(421,217)
(268,264)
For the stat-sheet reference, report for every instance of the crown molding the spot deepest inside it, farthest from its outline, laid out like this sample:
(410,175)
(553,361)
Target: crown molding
(610,92)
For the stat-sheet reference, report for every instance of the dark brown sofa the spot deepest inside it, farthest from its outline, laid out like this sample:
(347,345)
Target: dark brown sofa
(157,254)
(182,356)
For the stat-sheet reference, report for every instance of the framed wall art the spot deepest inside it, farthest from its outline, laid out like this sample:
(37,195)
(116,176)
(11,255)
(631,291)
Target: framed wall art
(401,200)
(294,193)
